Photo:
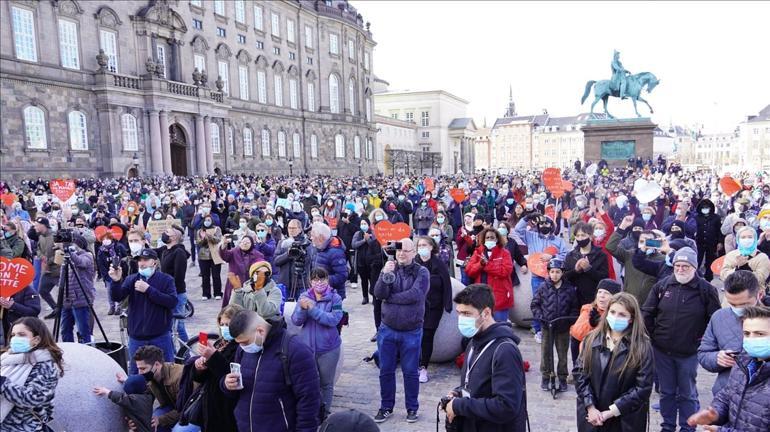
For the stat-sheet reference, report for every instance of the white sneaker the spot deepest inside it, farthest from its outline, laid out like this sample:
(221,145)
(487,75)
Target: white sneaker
(354,285)
(217,297)
(423,375)
(204,298)
(539,337)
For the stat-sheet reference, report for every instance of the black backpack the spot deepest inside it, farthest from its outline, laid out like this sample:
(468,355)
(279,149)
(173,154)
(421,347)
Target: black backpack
(284,355)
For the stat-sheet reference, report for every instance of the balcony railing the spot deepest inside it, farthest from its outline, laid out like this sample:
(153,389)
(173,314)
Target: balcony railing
(159,85)
(125,81)
(181,89)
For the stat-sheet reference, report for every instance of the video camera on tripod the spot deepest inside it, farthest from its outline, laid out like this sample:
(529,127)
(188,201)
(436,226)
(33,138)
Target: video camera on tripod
(65,236)
(298,254)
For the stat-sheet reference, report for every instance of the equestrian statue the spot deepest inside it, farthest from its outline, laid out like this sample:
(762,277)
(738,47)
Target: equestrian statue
(623,84)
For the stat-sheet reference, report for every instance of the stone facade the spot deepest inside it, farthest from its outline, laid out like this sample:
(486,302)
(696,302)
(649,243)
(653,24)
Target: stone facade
(597,132)
(180,112)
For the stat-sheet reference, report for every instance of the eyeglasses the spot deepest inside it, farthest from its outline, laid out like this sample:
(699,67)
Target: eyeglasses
(261,230)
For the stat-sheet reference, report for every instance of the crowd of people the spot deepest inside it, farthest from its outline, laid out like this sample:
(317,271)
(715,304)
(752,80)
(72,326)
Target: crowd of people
(621,290)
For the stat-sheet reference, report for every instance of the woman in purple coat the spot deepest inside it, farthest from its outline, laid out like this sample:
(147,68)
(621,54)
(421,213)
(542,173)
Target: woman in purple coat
(239,258)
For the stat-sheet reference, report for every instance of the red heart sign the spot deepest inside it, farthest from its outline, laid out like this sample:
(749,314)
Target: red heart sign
(8,199)
(386,231)
(428,184)
(553,182)
(458,195)
(551,250)
(117,233)
(716,266)
(63,188)
(100,231)
(536,264)
(15,275)
(729,186)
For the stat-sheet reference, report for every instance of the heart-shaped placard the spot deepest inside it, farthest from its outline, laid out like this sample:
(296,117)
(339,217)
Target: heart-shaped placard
(552,181)
(386,231)
(647,191)
(8,199)
(117,233)
(729,186)
(716,266)
(100,231)
(63,188)
(15,275)
(458,195)
(536,265)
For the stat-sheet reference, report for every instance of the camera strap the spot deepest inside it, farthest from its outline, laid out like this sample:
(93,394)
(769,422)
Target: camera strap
(471,365)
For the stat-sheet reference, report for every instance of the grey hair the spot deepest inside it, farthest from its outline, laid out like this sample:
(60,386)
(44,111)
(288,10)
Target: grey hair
(322,230)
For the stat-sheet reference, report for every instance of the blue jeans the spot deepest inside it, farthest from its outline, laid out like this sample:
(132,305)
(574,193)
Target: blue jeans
(163,342)
(181,301)
(678,390)
(108,282)
(72,316)
(464,277)
(403,345)
(536,282)
(159,411)
(501,315)
(37,266)
(327,366)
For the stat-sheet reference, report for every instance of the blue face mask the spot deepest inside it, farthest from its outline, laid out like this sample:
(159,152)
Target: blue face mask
(738,311)
(437,239)
(509,201)
(7,234)
(503,232)
(746,248)
(758,348)
(490,244)
(467,326)
(646,217)
(147,272)
(705,211)
(225,330)
(617,324)
(252,348)
(20,344)
(269,222)
(364,228)
(262,234)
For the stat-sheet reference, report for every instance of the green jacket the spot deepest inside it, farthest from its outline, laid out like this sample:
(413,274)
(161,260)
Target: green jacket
(46,253)
(636,283)
(12,247)
(204,253)
(266,301)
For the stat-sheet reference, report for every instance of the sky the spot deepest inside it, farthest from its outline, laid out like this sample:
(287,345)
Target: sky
(712,58)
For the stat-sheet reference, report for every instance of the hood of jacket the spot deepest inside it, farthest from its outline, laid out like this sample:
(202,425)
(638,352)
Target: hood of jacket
(495,331)
(705,203)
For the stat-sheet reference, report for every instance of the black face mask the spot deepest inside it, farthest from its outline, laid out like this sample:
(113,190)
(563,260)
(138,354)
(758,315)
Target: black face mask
(149,376)
(583,243)
(636,235)
(544,230)
(165,238)
(677,234)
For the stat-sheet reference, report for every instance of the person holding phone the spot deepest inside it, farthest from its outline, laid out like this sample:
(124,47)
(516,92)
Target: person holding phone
(491,264)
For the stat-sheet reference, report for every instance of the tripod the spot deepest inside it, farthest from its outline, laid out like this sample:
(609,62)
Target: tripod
(64,290)
(297,279)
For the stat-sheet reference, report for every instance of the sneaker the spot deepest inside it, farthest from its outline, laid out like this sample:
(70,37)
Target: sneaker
(204,298)
(656,406)
(365,301)
(112,310)
(374,338)
(218,297)
(354,285)
(382,415)
(562,386)
(539,337)
(423,375)
(545,385)
(118,311)
(411,416)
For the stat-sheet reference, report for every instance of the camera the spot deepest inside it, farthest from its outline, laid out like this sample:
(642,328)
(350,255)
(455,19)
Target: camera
(457,424)
(64,236)
(392,247)
(298,248)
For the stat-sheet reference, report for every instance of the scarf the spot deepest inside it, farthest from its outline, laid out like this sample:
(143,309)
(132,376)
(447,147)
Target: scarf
(16,368)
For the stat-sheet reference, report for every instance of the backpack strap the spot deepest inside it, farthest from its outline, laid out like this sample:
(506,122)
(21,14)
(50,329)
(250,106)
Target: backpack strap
(509,341)
(284,354)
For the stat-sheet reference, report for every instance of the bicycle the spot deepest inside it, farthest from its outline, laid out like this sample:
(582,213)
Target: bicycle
(553,385)
(184,349)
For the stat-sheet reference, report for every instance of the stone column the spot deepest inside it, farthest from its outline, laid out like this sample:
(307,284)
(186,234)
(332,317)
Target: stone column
(165,142)
(200,145)
(155,144)
(209,155)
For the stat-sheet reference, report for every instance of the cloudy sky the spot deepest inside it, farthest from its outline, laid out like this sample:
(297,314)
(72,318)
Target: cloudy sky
(713,58)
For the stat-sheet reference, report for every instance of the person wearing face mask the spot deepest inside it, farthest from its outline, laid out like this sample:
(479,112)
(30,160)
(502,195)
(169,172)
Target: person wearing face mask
(742,404)
(763,230)
(681,212)
(239,259)
(349,225)
(708,237)
(738,210)
(586,264)
(152,296)
(318,313)
(405,207)
(731,242)
(613,376)
(331,215)
(491,395)
(109,251)
(209,236)
(267,396)
(264,241)
(369,261)
(243,230)
(328,252)
(466,243)
(42,233)
(259,293)
(636,282)
(591,314)
(163,381)
(80,293)
(491,264)
(677,232)
(11,244)
(476,207)
(423,218)
(30,368)
(723,338)
(676,314)
(747,257)
(444,253)
(438,300)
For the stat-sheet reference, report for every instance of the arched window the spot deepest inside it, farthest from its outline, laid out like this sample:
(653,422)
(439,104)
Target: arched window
(334,94)
(34,128)
(265,143)
(78,130)
(369,149)
(339,146)
(281,144)
(314,146)
(248,143)
(369,110)
(230,141)
(357,147)
(352,95)
(130,135)
(296,145)
(216,147)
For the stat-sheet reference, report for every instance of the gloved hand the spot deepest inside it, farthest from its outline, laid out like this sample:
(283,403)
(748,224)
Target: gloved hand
(594,317)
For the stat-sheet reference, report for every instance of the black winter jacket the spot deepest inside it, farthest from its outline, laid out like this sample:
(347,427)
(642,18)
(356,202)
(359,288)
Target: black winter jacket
(586,281)
(550,303)
(709,231)
(439,298)
(173,262)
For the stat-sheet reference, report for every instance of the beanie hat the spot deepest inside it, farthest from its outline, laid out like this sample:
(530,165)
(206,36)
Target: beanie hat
(350,206)
(350,420)
(687,255)
(609,285)
(258,265)
(80,241)
(135,384)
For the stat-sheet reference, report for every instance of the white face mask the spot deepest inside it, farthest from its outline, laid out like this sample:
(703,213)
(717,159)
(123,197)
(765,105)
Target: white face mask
(135,248)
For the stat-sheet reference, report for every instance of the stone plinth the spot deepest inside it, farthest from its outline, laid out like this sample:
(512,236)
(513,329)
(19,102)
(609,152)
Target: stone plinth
(615,140)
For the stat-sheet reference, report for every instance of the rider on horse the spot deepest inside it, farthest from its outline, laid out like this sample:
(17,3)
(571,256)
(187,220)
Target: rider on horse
(619,74)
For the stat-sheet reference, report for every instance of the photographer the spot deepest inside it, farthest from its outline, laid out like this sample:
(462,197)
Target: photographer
(491,396)
(110,254)
(78,295)
(291,261)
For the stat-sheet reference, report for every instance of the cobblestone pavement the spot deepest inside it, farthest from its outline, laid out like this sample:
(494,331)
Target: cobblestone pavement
(358,385)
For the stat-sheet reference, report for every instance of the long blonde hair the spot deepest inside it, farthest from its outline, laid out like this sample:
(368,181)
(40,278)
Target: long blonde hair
(635,335)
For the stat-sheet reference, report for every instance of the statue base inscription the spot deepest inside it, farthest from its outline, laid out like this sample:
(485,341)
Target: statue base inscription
(616,140)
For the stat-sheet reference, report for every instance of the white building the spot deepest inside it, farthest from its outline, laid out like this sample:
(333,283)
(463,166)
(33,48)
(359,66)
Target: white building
(754,141)
(394,134)
(717,149)
(433,112)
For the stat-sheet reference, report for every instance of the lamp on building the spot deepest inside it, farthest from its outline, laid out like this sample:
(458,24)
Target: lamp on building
(291,166)
(135,163)
(359,167)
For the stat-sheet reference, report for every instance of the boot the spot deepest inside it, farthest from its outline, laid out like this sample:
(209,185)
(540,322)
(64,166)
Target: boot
(563,385)
(112,310)
(365,301)
(545,384)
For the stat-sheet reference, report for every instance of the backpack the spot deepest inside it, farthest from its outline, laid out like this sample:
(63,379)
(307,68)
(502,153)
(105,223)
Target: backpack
(27,254)
(284,355)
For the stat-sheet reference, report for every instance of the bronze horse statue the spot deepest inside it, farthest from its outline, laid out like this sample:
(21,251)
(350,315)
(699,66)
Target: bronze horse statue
(633,87)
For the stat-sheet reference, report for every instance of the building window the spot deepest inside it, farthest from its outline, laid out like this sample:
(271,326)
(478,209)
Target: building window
(242,39)
(308,37)
(368,110)
(394,115)
(369,149)
(199,62)
(258,18)
(334,44)
(224,73)
(24,34)
(275,28)
(313,146)
(334,94)
(366,60)
(352,95)
(260,45)
(426,134)
(424,118)
(276,50)
(248,142)
(410,117)
(357,147)
(292,56)
(129,132)
(34,127)
(243,81)
(68,44)
(293,99)
(351,49)
(78,131)
(196,3)
(290,31)
(261,87)
(107,41)
(278,87)
(309,60)
(296,145)
(240,11)
(221,32)
(281,144)
(219,7)
(339,146)
(311,97)
(231,141)
(265,143)
(197,24)
(160,58)
(216,148)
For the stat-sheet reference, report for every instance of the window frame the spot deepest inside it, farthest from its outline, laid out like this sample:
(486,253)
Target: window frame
(278,90)
(248,144)
(291,31)
(39,123)
(308,37)
(216,143)
(261,86)
(219,8)
(242,11)
(334,43)
(126,131)
(334,94)
(296,145)
(275,24)
(281,139)
(313,146)
(225,76)
(113,57)
(356,147)
(265,141)
(76,48)
(243,82)
(31,35)
(259,18)
(293,94)
(311,105)
(339,146)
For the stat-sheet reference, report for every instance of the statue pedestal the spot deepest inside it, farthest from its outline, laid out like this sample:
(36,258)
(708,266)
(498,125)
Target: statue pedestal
(616,140)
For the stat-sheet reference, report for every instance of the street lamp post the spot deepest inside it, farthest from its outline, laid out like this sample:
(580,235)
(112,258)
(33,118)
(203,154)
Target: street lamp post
(359,168)
(135,163)
(291,165)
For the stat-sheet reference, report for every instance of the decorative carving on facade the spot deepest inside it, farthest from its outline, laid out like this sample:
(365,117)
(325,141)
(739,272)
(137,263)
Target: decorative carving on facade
(102,60)
(200,45)
(223,51)
(243,56)
(107,17)
(159,12)
(278,66)
(67,7)
(261,61)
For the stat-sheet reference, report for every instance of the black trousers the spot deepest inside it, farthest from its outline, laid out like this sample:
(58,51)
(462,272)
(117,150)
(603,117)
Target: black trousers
(373,276)
(426,349)
(211,271)
(709,254)
(364,273)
